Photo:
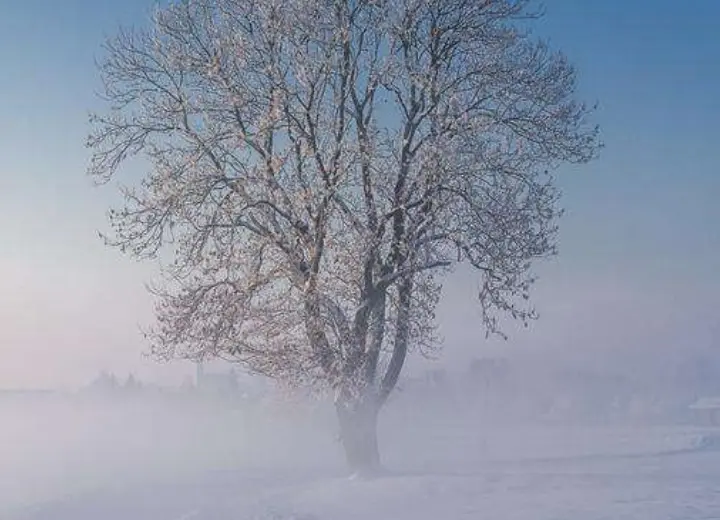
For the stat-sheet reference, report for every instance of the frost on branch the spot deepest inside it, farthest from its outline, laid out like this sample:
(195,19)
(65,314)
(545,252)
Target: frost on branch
(317,166)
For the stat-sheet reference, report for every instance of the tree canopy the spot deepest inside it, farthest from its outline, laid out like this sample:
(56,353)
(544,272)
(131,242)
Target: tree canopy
(316,167)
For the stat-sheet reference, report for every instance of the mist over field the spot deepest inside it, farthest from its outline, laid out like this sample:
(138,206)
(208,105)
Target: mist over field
(498,439)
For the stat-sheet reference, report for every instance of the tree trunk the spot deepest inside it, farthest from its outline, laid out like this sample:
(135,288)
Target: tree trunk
(358,433)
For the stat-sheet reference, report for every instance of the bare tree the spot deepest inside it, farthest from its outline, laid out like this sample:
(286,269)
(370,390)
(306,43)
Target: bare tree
(318,165)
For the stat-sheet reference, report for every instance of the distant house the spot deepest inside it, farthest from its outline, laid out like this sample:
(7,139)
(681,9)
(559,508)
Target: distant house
(219,384)
(706,410)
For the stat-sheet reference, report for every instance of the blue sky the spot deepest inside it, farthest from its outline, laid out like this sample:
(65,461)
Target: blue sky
(640,244)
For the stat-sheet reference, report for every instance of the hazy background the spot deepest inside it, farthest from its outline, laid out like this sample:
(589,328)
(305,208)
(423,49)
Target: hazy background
(628,335)
(516,441)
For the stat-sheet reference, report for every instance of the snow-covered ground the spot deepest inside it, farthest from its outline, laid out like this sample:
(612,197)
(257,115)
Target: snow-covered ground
(142,462)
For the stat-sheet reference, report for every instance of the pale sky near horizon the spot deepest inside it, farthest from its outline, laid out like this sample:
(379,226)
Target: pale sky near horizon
(640,244)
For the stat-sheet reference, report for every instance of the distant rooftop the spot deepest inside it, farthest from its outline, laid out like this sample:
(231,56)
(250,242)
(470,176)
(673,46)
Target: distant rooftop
(706,403)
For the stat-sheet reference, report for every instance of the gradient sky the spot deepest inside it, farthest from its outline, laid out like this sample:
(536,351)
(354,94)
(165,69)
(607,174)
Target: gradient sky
(640,244)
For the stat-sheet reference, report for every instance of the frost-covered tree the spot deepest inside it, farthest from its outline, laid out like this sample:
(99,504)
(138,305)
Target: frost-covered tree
(316,166)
